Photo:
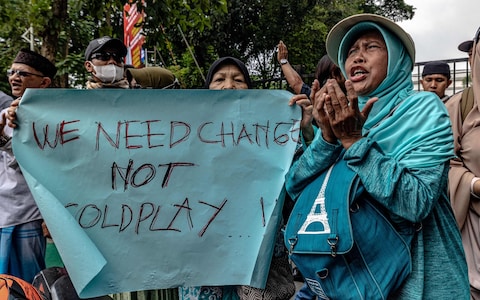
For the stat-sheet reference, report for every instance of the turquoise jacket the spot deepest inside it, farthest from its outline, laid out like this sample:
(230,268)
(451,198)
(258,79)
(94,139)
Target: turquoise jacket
(402,161)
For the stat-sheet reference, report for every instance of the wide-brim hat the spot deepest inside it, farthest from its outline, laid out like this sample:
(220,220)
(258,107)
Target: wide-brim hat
(466,46)
(336,34)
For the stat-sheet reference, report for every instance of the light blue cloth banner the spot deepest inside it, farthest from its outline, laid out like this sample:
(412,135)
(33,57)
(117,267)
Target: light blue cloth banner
(148,189)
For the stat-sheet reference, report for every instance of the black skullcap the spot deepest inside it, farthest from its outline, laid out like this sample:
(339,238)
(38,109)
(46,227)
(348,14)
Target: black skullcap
(226,61)
(436,67)
(36,61)
(98,44)
(466,46)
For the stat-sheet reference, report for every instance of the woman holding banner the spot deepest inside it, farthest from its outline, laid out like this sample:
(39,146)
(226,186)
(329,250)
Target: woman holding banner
(224,74)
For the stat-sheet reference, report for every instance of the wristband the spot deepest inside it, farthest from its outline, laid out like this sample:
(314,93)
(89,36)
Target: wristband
(474,179)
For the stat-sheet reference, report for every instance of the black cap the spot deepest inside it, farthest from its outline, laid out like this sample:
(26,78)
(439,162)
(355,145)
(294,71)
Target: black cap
(98,44)
(36,61)
(436,67)
(466,46)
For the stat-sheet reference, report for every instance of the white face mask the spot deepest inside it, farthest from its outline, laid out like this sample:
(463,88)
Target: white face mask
(108,73)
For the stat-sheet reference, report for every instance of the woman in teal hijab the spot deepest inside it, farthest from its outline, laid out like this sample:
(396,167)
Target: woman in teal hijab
(396,140)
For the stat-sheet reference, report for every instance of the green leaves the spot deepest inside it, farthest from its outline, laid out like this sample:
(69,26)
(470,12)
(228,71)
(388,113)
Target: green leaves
(247,29)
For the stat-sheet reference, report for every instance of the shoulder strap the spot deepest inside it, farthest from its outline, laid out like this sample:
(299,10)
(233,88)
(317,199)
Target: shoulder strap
(466,102)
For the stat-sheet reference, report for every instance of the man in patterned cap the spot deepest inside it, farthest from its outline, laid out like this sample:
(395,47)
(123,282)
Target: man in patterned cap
(22,244)
(30,70)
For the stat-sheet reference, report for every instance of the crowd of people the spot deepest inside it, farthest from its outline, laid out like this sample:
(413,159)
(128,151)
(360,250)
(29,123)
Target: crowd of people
(414,154)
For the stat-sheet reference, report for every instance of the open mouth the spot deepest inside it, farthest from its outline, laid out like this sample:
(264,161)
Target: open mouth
(357,73)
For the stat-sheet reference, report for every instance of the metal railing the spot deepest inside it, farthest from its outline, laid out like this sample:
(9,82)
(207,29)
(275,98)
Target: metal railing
(460,73)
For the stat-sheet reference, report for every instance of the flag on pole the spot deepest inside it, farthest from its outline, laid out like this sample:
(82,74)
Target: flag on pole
(133,34)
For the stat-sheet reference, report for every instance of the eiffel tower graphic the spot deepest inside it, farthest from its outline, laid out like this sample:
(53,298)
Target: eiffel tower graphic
(316,217)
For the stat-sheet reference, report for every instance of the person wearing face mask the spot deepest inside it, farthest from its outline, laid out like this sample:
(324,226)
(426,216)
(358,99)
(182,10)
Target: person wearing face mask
(104,60)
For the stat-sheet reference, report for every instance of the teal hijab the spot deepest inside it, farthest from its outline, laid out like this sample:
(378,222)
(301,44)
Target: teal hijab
(413,127)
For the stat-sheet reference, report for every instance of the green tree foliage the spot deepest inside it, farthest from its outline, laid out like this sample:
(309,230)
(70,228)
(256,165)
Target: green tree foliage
(63,28)
(12,27)
(393,9)
(247,29)
(251,29)
(306,41)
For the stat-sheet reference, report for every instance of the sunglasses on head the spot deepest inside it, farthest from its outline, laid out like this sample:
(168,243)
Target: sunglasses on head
(105,56)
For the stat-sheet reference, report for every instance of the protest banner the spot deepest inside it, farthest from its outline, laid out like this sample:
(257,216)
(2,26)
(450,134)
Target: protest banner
(148,189)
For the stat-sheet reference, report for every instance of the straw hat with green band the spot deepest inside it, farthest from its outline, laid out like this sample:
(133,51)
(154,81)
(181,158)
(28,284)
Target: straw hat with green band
(337,33)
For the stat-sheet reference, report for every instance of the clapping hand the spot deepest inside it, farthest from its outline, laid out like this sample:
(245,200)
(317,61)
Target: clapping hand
(338,114)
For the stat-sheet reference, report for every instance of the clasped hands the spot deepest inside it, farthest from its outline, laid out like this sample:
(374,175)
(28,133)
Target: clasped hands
(337,115)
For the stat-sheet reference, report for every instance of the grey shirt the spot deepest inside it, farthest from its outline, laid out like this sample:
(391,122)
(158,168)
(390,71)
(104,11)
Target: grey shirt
(5,100)
(17,205)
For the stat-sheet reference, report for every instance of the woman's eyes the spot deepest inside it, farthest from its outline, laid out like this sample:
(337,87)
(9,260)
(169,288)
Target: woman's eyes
(367,47)
(352,51)
(240,80)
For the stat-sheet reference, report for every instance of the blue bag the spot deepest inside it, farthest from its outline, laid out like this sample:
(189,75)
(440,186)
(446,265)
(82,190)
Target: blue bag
(342,242)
